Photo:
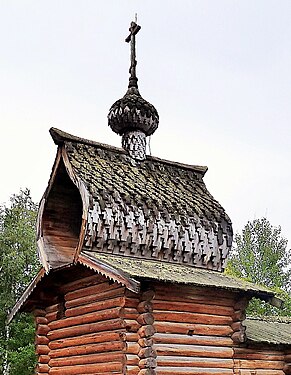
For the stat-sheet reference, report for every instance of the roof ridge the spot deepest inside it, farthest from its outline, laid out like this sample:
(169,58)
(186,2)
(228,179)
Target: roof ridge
(60,136)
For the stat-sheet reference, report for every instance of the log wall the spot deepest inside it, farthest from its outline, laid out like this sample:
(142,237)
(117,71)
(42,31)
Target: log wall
(99,327)
(193,330)
(84,333)
(287,366)
(258,361)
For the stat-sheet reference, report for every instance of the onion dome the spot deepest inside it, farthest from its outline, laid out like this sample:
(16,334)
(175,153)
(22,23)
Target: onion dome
(132,112)
(133,117)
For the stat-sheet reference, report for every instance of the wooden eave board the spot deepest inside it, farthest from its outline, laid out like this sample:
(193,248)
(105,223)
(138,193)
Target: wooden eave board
(268,331)
(30,288)
(180,274)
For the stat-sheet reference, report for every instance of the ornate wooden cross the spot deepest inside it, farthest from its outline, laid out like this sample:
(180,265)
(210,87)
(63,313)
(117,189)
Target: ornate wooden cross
(134,29)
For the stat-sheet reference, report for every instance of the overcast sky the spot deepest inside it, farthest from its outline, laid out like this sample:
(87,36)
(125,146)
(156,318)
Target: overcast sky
(218,72)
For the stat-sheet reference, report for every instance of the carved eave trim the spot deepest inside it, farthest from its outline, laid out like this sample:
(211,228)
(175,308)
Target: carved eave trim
(26,295)
(110,272)
(85,197)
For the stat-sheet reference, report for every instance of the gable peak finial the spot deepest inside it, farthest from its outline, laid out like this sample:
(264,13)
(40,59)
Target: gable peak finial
(134,29)
(133,117)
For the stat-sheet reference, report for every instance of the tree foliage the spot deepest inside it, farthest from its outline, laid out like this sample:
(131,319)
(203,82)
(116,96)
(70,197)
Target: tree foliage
(18,265)
(260,255)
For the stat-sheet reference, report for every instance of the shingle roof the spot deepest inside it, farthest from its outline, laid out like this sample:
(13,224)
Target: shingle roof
(154,209)
(269,331)
(178,273)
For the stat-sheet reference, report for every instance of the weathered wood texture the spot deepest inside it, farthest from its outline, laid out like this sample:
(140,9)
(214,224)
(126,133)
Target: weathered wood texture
(98,327)
(84,333)
(287,365)
(140,354)
(61,219)
(193,330)
(258,361)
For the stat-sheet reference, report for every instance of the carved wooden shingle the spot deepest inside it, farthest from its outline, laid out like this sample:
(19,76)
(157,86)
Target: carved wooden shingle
(154,209)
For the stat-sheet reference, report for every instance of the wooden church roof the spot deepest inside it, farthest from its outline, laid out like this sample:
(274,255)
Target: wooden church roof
(272,330)
(154,209)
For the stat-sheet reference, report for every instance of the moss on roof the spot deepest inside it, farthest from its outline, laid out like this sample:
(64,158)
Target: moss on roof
(275,331)
(177,273)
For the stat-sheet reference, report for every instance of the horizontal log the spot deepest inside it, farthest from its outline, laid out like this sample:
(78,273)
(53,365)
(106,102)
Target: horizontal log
(178,361)
(132,301)
(193,350)
(198,329)
(93,338)
(131,336)
(83,282)
(164,338)
(129,313)
(239,337)
(99,368)
(95,306)
(40,320)
(287,369)
(87,349)
(86,318)
(42,368)
(145,319)
(41,340)
(42,329)
(259,356)
(132,359)
(192,307)
(101,296)
(147,295)
(146,331)
(132,370)
(192,371)
(148,363)
(260,372)
(258,364)
(288,358)
(131,325)
(87,359)
(184,317)
(262,352)
(132,348)
(146,352)
(42,349)
(145,306)
(52,308)
(90,290)
(51,316)
(107,325)
(147,371)
(43,358)
(145,341)
(237,326)
(188,291)
(238,315)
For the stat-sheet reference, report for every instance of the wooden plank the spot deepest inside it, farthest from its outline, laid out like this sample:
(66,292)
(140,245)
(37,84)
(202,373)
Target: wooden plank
(87,339)
(160,338)
(178,361)
(107,325)
(185,317)
(198,329)
(193,350)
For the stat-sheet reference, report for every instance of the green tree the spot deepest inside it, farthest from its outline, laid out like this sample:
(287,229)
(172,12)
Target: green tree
(18,265)
(260,255)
